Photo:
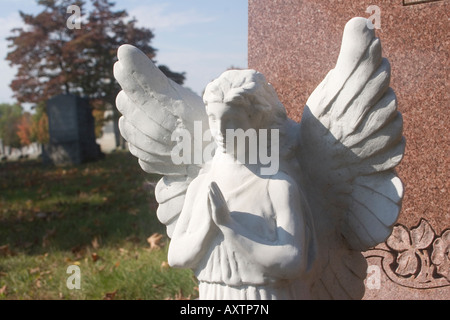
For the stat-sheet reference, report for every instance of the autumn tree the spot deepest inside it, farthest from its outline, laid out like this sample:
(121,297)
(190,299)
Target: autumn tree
(24,129)
(39,124)
(53,59)
(9,118)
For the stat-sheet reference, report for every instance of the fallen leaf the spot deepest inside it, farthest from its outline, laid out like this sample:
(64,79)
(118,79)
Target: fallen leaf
(101,268)
(165,265)
(115,266)
(45,255)
(110,295)
(34,270)
(95,257)
(154,241)
(3,290)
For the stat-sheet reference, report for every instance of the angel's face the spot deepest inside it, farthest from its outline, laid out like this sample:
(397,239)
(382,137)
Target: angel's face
(223,117)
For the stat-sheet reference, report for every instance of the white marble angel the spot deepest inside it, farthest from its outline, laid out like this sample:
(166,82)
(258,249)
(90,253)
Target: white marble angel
(298,232)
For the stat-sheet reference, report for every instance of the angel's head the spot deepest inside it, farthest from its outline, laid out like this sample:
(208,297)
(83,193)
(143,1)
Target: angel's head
(241,99)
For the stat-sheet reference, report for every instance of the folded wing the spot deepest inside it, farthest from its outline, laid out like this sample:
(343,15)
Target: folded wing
(154,109)
(350,142)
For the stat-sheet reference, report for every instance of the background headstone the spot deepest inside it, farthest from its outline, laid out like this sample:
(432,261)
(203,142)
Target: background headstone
(107,141)
(71,130)
(2,149)
(296,43)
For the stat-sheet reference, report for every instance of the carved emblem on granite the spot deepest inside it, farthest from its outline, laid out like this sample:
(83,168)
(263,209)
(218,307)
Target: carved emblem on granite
(416,258)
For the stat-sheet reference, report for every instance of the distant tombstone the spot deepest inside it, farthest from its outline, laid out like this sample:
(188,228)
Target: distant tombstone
(2,151)
(71,130)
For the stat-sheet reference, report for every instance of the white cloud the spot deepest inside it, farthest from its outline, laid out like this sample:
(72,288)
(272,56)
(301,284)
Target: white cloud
(163,17)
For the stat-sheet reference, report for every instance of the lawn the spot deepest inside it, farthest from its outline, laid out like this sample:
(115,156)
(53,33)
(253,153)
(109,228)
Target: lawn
(100,217)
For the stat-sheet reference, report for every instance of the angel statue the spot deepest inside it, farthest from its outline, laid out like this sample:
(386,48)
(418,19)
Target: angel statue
(293,227)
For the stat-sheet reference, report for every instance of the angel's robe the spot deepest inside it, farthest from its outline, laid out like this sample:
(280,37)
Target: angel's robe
(226,271)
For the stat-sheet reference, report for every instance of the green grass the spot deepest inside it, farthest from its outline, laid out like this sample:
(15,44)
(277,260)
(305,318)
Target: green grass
(97,216)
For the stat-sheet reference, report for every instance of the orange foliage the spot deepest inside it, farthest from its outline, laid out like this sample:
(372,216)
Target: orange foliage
(24,129)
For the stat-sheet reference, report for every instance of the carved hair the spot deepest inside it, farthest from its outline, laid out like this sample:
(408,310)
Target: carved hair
(249,89)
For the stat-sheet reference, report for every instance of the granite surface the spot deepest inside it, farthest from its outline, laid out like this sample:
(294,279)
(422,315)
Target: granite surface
(295,43)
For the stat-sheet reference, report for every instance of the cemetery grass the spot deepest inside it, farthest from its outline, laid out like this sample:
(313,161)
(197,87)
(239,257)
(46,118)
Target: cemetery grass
(99,216)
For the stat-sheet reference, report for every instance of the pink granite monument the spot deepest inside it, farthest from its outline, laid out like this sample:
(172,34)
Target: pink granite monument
(295,43)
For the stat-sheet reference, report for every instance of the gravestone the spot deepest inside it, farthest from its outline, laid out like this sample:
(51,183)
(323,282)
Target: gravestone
(2,151)
(296,43)
(71,130)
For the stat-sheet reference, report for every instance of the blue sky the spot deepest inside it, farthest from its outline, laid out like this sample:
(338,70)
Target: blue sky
(200,37)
